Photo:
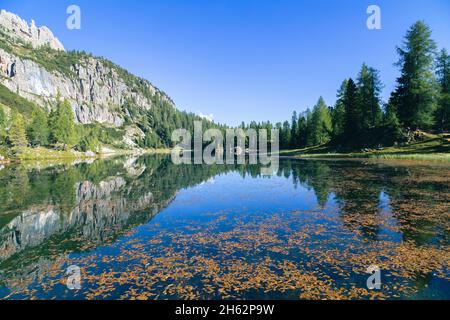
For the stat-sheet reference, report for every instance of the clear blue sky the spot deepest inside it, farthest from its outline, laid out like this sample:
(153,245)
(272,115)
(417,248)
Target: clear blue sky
(242,59)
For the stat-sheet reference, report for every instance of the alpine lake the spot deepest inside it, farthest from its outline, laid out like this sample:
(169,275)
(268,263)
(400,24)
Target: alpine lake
(145,228)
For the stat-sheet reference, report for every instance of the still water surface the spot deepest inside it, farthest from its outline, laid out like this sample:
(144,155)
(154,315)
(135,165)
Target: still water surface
(143,228)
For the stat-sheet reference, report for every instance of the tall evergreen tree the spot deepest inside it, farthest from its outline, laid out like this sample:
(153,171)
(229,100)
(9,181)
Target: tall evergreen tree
(285,135)
(443,73)
(390,114)
(17,135)
(62,124)
(415,93)
(302,131)
(352,120)
(38,131)
(3,125)
(321,122)
(294,130)
(309,128)
(392,122)
(369,90)
(338,113)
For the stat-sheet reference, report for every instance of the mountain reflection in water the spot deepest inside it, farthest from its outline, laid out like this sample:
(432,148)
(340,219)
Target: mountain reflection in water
(143,228)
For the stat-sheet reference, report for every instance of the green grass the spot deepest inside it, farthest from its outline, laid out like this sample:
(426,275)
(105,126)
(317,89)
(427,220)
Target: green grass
(51,60)
(16,102)
(434,148)
(419,157)
(41,153)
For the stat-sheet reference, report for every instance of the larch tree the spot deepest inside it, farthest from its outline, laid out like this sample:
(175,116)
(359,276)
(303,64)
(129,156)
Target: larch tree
(352,119)
(62,124)
(415,94)
(17,135)
(322,124)
(338,113)
(38,131)
(369,90)
(443,74)
(294,130)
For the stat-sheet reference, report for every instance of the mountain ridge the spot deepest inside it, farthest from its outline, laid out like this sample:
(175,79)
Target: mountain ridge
(94,86)
(36,36)
(35,66)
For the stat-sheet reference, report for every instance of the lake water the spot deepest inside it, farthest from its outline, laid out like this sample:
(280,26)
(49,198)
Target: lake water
(143,228)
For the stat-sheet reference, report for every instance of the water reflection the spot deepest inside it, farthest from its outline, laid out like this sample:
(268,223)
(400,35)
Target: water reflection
(360,213)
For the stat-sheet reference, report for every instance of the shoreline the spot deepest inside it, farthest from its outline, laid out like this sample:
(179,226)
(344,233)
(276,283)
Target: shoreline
(435,149)
(42,154)
(54,155)
(432,157)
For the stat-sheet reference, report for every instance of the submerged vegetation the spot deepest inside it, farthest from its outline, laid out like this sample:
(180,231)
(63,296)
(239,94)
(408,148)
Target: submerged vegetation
(347,216)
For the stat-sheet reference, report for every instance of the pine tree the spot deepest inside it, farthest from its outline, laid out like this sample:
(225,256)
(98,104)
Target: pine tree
(443,74)
(17,135)
(38,131)
(309,128)
(390,115)
(3,125)
(294,130)
(369,89)
(352,119)
(302,131)
(338,113)
(62,126)
(392,123)
(415,93)
(285,135)
(321,123)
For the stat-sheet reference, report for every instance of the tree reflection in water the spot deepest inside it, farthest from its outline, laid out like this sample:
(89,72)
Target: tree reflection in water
(362,213)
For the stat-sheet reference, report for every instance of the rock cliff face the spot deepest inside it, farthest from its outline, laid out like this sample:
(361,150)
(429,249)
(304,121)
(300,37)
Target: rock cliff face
(19,28)
(97,90)
(101,212)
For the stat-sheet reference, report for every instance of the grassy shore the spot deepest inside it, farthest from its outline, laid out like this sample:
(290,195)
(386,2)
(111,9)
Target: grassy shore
(434,148)
(40,153)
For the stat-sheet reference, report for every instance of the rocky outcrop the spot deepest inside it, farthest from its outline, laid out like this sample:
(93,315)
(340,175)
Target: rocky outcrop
(101,211)
(96,92)
(29,33)
(95,88)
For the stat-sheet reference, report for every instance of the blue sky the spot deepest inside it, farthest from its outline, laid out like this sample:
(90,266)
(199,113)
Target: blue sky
(242,59)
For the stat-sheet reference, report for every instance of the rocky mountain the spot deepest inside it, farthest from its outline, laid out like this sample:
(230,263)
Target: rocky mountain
(35,66)
(78,207)
(19,29)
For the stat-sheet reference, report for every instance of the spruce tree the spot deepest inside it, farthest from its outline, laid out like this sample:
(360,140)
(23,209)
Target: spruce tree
(391,122)
(369,90)
(338,113)
(3,125)
(302,131)
(321,123)
(17,135)
(286,135)
(415,95)
(294,130)
(443,74)
(62,124)
(352,119)
(309,128)
(38,131)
